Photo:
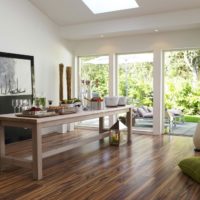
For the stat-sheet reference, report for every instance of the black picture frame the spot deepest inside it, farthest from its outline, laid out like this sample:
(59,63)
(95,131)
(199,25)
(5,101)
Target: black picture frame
(15,70)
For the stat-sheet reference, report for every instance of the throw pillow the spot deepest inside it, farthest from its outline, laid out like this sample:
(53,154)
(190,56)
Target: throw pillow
(141,112)
(145,108)
(150,109)
(191,167)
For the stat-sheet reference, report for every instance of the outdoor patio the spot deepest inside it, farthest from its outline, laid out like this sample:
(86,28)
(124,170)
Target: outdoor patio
(187,129)
(183,129)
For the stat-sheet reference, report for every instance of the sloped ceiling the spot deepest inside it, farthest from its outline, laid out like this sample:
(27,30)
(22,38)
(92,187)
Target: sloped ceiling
(76,21)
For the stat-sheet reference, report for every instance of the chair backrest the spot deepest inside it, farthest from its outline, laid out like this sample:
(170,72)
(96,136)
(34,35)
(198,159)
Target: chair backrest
(145,108)
(168,115)
(176,112)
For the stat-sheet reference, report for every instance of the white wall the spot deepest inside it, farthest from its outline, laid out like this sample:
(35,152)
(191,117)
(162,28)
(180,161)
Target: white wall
(25,30)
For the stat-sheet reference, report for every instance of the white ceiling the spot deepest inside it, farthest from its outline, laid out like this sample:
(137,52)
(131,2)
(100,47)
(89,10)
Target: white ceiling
(78,22)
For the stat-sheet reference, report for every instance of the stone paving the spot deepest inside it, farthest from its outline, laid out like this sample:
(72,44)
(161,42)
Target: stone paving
(183,129)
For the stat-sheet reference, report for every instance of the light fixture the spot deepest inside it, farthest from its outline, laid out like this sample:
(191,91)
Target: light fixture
(103,6)
(156,30)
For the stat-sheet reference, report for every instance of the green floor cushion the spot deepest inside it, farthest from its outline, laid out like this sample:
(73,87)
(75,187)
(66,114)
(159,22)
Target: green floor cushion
(191,167)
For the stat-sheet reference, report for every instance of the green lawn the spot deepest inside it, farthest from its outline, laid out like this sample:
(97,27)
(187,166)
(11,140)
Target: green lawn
(192,118)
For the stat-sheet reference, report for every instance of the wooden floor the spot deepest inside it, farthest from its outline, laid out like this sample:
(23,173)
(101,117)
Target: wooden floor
(147,170)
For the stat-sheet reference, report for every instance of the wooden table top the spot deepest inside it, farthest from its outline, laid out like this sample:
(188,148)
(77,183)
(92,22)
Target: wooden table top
(83,114)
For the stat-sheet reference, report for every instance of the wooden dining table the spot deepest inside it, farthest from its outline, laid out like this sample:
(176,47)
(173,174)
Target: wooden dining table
(34,162)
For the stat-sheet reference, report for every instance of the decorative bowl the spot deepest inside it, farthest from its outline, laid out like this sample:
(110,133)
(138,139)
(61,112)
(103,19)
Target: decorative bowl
(122,101)
(111,101)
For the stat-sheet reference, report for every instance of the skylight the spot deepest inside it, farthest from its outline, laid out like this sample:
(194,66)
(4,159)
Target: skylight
(103,6)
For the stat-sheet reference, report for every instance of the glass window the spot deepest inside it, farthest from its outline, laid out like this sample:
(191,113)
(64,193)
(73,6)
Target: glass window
(94,75)
(135,80)
(182,90)
(94,79)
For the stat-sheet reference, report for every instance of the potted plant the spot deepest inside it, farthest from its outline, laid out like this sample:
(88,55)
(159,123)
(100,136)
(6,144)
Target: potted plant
(75,102)
(97,103)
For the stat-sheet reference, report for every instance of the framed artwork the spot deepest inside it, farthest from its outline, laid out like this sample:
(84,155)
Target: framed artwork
(16,74)
(16,79)
(16,83)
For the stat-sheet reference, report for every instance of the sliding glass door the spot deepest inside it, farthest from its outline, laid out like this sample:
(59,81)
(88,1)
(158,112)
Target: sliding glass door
(135,80)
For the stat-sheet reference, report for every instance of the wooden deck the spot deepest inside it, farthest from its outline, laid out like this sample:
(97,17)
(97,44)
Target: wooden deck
(147,169)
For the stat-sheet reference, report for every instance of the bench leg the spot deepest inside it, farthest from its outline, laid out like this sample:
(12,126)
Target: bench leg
(101,126)
(2,146)
(129,125)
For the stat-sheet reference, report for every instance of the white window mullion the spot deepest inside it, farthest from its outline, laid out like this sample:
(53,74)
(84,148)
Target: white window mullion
(158,90)
(112,83)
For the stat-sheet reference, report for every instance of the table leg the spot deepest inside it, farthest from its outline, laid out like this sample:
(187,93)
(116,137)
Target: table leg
(101,126)
(129,125)
(37,153)
(2,145)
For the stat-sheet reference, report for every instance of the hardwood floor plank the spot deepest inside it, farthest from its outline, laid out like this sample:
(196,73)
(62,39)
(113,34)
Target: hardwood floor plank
(147,170)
